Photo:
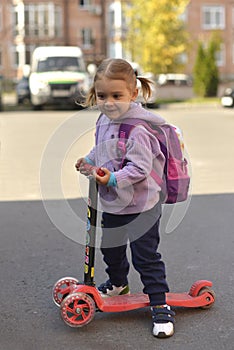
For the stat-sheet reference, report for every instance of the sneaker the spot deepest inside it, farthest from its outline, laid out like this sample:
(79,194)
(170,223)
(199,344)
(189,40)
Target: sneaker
(108,290)
(163,321)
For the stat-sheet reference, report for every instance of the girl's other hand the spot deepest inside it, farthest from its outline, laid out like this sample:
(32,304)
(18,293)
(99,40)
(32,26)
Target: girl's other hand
(101,175)
(80,162)
(83,167)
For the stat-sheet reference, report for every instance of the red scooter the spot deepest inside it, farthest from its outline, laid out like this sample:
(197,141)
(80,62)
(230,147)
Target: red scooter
(78,302)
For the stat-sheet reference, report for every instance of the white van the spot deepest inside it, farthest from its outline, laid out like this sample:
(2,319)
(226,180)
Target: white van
(57,75)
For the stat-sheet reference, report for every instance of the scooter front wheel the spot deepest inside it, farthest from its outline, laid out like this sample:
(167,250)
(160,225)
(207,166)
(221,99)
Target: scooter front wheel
(77,309)
(62,288)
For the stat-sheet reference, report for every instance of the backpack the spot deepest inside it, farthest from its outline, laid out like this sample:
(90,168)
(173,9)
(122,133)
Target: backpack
(175,182)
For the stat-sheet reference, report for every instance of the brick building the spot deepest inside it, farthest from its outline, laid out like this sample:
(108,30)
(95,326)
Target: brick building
(98,27)
(203,17)
(27,24)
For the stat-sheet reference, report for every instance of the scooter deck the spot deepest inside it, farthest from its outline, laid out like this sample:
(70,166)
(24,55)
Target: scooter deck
(199,295)
(79,302)
(137,301)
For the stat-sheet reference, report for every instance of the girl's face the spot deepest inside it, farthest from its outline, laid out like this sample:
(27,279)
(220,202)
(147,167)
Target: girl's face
(114,96)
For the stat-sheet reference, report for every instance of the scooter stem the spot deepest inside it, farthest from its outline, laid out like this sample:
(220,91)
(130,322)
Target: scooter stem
(91,234)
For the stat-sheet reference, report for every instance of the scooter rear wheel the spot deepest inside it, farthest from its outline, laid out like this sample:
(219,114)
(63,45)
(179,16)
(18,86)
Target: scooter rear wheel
(62,288)
(77,309)
(212,294)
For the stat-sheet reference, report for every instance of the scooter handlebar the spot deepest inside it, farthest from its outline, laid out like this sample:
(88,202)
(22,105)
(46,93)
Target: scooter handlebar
(91,168)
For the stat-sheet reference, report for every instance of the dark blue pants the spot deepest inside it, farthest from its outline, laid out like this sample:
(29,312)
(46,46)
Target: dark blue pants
(142,231)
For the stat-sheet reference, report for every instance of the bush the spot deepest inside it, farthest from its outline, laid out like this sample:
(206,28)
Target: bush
(206,75)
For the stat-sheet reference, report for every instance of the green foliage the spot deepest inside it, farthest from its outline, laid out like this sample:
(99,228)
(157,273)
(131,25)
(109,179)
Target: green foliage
(156,36)
(199,71)
(206,74)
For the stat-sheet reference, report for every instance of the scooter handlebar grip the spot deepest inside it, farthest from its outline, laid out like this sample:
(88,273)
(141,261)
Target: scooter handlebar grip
(100,172)
(90,168)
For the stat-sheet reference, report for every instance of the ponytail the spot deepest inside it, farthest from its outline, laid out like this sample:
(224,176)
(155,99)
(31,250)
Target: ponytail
(146,87)
(90,99)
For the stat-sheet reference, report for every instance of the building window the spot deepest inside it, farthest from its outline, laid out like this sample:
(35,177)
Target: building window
(43,20)
(58,32)
(1,25)
(232,17)
(18,20)
(111,22)
(87,37)
(85,3)
(28,53)
(233,53)
(221,56)
(15,57)
(213,17)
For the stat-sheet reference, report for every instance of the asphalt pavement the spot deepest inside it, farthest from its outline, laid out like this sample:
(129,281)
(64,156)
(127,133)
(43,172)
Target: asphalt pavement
(34,253)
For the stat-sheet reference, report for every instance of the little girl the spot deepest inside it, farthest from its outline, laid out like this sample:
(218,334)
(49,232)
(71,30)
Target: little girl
(129,196)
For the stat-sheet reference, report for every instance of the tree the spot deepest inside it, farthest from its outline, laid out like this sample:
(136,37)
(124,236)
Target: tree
(199,71)
(206,74)
(156,36)
(212,73)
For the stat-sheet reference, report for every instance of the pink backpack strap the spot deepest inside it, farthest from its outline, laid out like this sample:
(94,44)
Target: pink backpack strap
(124,132)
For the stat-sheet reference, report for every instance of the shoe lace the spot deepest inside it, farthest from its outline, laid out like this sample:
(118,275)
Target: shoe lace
(105,286)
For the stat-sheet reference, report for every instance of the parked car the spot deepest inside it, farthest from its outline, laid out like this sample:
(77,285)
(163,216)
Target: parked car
(227,99)
(22,91)
(174,79)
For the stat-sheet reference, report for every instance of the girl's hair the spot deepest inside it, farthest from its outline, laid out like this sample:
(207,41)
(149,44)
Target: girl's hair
(118,69)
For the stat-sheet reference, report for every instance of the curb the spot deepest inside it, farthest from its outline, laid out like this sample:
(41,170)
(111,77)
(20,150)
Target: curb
(182,105)
(9,103)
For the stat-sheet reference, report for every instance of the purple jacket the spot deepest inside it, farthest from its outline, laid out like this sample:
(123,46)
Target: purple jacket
(136,190)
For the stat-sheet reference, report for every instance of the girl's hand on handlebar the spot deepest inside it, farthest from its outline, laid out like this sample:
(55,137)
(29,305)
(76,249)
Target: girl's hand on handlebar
(103,179)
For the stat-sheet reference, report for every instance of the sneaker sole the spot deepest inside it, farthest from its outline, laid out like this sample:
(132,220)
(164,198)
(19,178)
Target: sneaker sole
(163,335)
